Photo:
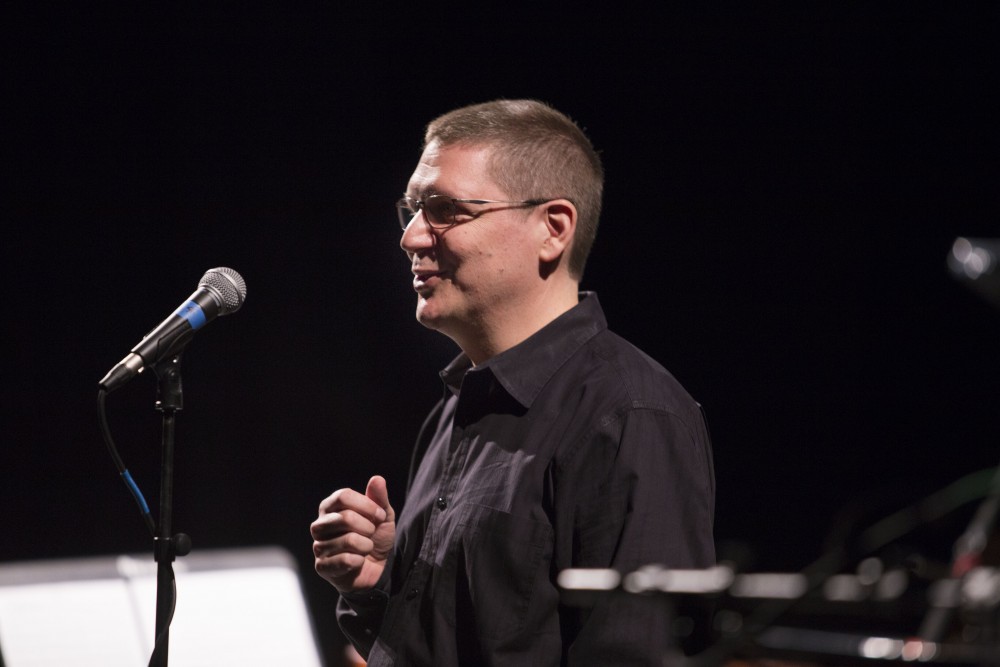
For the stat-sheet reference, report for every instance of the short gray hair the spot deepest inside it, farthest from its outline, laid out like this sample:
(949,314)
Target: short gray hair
(538,153)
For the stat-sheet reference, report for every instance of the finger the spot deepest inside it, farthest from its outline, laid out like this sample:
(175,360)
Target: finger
(379,493)
(349,543)
(340,566)
(341,499)
(349,499)
(328,526)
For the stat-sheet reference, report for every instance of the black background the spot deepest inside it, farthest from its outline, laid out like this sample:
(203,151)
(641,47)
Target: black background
(784,183)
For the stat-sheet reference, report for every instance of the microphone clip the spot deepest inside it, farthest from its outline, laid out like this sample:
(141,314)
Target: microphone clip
(169,388)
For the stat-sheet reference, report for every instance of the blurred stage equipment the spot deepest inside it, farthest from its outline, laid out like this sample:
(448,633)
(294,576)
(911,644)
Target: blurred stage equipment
(240,607)
(976,263)
(221,291)
(854,605)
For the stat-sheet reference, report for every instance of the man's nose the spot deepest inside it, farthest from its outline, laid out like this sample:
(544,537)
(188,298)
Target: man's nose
(417,235)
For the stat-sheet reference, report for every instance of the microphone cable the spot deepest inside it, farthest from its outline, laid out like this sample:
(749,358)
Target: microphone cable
(120,464)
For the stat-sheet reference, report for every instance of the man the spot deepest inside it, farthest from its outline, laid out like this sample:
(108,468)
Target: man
(556,445)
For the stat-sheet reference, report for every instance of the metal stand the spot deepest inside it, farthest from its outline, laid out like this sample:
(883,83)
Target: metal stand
(167,546)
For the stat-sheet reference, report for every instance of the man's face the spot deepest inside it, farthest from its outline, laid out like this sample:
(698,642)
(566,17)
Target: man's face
(469,276)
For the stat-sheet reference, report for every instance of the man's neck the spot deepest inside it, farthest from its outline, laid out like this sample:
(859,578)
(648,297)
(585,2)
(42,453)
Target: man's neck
(515,323)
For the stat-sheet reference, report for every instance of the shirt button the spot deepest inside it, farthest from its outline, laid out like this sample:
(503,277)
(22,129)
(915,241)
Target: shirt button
(442,502)
(412,593)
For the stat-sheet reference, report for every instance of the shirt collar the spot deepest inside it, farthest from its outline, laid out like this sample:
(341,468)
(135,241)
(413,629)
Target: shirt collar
(525,368)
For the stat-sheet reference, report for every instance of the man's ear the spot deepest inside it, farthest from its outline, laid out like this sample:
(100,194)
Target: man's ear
(560,225)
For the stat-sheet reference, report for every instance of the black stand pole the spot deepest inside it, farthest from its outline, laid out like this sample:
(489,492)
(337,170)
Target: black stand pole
(167,546)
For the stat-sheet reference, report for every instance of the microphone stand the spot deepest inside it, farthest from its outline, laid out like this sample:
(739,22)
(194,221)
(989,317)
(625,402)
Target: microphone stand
(170,399)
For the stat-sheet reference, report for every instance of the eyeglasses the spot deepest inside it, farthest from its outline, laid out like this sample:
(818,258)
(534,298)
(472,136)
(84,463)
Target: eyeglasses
(441,211)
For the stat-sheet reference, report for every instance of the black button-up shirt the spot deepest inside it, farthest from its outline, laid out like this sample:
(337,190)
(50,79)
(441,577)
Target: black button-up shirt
(571,449)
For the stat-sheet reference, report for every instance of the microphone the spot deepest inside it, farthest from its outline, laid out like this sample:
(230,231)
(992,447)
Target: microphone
(221,291)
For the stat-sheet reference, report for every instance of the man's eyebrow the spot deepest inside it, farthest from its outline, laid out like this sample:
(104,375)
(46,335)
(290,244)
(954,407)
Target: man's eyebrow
(428,191)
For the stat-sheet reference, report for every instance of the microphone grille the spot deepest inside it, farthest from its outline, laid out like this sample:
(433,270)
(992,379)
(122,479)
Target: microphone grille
(229,285)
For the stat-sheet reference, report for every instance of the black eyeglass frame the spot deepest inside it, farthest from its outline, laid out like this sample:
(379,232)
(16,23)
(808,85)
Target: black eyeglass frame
(407,208)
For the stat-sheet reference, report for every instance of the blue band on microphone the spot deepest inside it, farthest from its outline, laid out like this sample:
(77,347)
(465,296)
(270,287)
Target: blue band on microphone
(193,313)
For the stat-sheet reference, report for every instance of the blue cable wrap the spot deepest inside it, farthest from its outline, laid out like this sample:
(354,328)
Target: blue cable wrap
(135,491)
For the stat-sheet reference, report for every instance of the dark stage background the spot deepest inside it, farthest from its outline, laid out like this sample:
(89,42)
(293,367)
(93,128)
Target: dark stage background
(783,186)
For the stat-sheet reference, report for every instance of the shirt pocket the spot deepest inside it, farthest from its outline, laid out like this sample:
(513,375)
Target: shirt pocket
(502,560)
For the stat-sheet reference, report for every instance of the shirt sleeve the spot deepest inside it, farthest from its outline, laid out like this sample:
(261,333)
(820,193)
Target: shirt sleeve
(646,490)
(360,614)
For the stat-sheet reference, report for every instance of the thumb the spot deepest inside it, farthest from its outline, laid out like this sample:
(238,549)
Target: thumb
(378,492)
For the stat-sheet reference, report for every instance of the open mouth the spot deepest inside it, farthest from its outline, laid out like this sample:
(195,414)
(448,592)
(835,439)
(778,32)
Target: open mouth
(426,279)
